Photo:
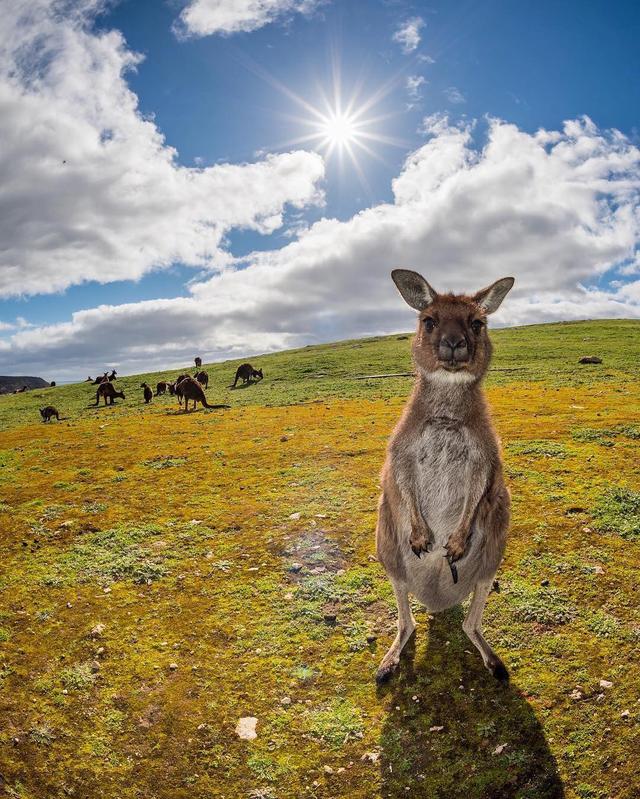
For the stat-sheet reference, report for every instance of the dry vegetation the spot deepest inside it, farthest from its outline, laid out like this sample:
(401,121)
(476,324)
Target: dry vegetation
(164,575)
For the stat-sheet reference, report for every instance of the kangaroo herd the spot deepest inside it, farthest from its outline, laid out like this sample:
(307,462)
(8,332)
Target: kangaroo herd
(186,388)
(444,510)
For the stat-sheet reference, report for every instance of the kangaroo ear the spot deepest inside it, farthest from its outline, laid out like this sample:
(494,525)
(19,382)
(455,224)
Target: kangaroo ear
(490,299)
(415,290)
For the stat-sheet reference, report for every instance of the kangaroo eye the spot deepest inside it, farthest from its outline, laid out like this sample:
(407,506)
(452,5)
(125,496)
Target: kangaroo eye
(429,324)
(477,326)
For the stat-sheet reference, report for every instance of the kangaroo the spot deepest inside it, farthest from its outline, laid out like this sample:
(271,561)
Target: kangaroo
(190,389)
(202,378)
(247,373)
(147,393)
(198,362)
(48,412)
(444,510)
(112,376)
(100,380)
(162,388)
(108,392)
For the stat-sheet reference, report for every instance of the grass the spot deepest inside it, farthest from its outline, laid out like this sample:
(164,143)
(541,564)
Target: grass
(164,575)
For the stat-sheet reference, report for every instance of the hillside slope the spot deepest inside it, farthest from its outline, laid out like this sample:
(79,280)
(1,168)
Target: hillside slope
(166,574)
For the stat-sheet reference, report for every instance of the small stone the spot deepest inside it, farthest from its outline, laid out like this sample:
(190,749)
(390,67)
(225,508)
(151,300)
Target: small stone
(371,757)
(246,728)
(598,570)
(106,590)
(173,666)
(69,605)
(100,651)
(436,729)
(295,516)
(286,700)
(96,632)
(283,438)
(544,582)
(295,568)
(625,714)
(499,749)
(575,694)
(328,770)
(606,684)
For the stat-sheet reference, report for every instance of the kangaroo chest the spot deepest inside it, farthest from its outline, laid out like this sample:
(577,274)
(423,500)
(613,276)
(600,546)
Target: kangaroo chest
(448,461)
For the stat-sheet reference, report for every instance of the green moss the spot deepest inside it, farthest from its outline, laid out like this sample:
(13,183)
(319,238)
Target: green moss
(335,724)
(539,449)
(541,605)
(618,511)
(78,677)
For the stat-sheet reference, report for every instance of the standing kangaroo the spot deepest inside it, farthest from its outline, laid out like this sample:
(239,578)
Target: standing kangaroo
(190,389)
(444,510)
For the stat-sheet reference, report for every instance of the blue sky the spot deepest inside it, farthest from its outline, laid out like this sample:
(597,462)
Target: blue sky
(227,98)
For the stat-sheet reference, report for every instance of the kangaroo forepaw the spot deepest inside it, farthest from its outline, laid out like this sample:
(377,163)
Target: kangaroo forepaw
(420,542)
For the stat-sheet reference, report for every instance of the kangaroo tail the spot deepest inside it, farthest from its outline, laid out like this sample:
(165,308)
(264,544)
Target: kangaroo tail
(206,405)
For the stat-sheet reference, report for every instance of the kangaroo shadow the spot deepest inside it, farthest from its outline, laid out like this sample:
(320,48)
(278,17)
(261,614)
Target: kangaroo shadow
(454,731)
(244,385)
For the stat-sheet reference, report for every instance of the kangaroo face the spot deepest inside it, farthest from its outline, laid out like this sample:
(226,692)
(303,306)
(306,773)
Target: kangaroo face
(451,343)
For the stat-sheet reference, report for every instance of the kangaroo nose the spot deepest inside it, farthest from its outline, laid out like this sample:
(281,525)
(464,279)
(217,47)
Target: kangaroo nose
(453,348)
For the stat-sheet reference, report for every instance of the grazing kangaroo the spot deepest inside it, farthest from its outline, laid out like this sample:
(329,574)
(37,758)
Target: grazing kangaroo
(147,393)
(444,509)
(202,378)
(108,392)
(162,388)
(190,389)
(48,412)
(247,373)
(198,362)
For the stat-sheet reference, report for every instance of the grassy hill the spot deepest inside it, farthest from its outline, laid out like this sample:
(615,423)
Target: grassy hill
(165,574)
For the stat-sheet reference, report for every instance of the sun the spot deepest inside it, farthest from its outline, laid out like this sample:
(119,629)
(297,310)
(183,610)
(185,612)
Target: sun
(339,129)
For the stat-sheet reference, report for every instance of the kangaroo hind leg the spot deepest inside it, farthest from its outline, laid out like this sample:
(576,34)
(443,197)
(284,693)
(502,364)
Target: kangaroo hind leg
(472,625)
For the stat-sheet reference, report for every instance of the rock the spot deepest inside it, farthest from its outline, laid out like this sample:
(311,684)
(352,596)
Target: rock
(286,700)
(598,570)
(436,729)
(371,757)
(295,516)
(295,568)
(283,439)
(575,694)
(96,632)
(590,359)
(625,714)
(246,728)
(545,583)
(499,749)
(173,666)
(328,770)
(606,684)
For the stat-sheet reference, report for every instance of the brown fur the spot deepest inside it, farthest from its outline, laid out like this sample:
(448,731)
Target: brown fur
(100,380)
(147,393)
(162,388)
(444,496)
(247,373)
(190,390)
(49,412)
(198,362)
(202,378)
(108,392)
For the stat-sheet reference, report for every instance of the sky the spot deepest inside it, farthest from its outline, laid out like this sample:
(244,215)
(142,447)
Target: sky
(230,177)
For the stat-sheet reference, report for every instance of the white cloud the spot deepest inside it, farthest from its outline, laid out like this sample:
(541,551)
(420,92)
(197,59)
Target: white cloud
(206,17)
(413,85)
(90,188)
(408,34)
(454,95)
(556,209)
